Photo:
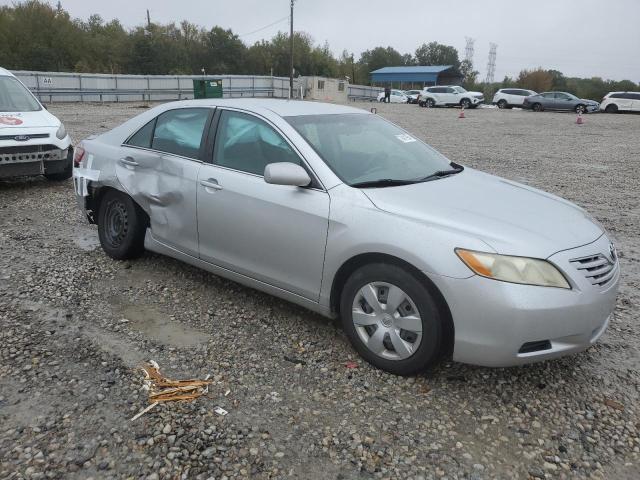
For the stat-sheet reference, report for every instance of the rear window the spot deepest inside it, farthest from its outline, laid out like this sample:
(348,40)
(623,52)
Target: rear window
(14,97)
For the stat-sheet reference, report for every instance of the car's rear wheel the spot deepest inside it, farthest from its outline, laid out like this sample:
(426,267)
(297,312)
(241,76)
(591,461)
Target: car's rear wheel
(580,108)
(536,107)
(430,102)
(502,104)
(121,226)
(465,103)
(391,318)
(611,108)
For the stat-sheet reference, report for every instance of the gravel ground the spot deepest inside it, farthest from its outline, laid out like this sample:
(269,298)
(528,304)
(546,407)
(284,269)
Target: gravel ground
(74,325)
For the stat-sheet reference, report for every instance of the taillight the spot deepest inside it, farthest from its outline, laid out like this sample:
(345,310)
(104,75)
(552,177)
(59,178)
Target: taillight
(78,156)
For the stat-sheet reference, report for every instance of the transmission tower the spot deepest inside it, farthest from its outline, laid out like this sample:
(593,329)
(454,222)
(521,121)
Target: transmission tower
(468,51)
(491,65)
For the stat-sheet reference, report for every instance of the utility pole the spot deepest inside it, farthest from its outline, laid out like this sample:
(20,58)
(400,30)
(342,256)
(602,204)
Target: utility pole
(491,65)
(291,54)
(148,19)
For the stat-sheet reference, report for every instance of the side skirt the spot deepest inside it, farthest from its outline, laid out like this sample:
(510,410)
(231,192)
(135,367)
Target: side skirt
(150,243)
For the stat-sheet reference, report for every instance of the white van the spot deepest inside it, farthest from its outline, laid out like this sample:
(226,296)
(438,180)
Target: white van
(32,140)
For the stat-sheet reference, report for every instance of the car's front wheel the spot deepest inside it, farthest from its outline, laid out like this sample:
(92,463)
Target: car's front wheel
(611,108)
(502,104)
(430,102)
(122,225)
(391,318)
(465,103)
(536,107)
(580,109)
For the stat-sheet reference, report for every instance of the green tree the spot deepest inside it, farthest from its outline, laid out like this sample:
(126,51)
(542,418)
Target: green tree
(435,53)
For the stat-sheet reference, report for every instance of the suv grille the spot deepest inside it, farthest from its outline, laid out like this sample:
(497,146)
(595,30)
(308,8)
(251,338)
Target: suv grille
(598,269)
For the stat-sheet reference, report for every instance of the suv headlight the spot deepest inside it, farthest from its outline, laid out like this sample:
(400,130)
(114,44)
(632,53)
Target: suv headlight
(62,132)
(523,270)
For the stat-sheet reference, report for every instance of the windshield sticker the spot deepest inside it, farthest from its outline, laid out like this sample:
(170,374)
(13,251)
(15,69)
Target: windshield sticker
(13,121)
(405,138)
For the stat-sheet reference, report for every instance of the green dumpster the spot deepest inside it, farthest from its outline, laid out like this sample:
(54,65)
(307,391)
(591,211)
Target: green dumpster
(209,88)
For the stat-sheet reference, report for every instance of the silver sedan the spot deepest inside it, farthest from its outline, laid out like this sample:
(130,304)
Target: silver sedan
(343,212)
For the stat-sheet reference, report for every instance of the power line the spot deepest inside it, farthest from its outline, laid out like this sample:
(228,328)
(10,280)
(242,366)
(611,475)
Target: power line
(265,27)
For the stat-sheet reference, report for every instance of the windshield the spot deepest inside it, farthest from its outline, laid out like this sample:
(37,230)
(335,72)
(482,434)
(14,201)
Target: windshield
(14,97)
(460,89)
(366,148)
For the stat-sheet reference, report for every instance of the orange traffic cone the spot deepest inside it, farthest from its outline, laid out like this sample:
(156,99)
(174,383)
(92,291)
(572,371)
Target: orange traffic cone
(579,120)
(461,113)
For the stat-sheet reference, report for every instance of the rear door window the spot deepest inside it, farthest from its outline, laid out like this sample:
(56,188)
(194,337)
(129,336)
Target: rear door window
(142,138)
(180,131)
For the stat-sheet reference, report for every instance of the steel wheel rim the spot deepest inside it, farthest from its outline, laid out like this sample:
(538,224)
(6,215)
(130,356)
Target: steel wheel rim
(502,104)
(387,320)
(116,223)
(466,103)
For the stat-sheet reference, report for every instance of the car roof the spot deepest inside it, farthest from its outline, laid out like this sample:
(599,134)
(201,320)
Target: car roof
(281,107)
(5,73)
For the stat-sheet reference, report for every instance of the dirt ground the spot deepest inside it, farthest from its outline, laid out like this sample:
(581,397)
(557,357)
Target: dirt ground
(74,325)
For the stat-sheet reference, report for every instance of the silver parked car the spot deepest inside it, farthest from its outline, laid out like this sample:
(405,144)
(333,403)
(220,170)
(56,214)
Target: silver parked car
(559,101)
(343,212)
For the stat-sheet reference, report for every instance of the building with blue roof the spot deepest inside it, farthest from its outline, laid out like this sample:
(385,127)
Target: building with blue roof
(424,75)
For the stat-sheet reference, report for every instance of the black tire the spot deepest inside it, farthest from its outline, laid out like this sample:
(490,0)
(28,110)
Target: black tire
(66,173)
(580,108)
(465,103)
(502,104)
(421,104)
(611,108)
(536,107)
(427,353)
(122,225)
(430,103)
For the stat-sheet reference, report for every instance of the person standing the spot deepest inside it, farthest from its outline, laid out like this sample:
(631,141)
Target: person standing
(387,94)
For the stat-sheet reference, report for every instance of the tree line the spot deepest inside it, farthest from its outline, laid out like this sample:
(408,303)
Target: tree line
(36,36)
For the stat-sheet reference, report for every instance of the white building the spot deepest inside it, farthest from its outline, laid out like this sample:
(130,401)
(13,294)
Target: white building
(325,89)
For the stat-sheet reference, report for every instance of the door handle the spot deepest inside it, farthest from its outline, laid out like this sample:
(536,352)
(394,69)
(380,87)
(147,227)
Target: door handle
(129,161)
(211,183)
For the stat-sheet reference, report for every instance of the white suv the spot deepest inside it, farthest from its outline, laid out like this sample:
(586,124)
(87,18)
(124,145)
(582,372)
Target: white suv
(621,101)
(511,97)
(449,96)
(32,140)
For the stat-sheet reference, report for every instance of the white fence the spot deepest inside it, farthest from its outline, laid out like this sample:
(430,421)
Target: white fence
(96,87)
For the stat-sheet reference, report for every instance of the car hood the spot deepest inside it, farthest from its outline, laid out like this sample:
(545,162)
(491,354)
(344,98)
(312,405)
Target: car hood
(41,118)
(590,102)
(511,218)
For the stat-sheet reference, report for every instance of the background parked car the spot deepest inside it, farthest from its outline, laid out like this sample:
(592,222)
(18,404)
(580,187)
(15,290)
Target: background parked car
(560,101)
(443,96)
(511,97)
(32,140)
(413,95)
(621,102)
(397,96)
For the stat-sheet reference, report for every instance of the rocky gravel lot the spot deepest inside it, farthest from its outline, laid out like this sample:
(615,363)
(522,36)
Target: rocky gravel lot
(74,325)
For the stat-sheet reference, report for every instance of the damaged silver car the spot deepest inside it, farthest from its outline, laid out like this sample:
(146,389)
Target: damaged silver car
(342,212)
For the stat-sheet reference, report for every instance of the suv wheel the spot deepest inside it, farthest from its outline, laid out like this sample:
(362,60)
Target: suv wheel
(122,225)
(391,318)
(465,103)
(611,108)
(502,104)
(431,102)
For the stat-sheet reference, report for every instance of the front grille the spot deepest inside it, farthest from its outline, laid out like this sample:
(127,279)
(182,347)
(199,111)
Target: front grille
(30,153)
(598,269)
(31,136)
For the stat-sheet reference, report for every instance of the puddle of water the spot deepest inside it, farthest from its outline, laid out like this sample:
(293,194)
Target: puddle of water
(161,327)
(86,238)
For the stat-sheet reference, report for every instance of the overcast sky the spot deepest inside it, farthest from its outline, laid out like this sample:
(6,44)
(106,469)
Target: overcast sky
(578,37)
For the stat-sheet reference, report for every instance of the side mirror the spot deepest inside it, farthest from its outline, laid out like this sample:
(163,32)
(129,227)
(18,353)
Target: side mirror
(286,173)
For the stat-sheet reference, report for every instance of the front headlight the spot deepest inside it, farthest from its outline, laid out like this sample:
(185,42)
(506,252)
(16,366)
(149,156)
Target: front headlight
(527,271)
(62,132)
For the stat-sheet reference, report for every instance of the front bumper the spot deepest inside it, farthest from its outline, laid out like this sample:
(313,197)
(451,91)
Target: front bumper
(500,324)
(32,160)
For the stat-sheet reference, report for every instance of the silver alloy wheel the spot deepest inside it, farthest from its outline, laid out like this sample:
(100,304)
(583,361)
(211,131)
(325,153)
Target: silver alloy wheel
(387,320)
